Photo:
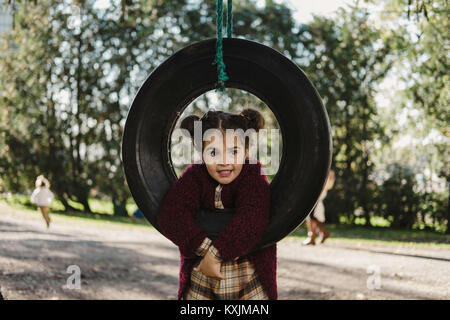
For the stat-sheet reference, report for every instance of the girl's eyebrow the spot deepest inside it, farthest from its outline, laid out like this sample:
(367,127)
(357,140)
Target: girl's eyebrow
(210,147)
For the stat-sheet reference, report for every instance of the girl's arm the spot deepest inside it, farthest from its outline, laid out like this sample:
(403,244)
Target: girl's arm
(176,213)
(330,180)
(251,218)
(33,195)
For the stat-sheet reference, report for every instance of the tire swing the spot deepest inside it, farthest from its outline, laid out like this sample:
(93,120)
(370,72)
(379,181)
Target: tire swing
(253,67)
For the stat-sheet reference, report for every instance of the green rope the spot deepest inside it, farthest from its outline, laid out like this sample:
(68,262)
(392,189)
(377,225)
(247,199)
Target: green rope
(229,19)
(218,60)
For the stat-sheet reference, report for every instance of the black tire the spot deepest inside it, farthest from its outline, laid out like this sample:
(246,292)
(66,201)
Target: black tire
(260,70)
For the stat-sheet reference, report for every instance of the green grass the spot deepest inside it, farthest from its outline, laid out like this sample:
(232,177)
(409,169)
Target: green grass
(381,233)
(383,222)
(98,206)
(102,210)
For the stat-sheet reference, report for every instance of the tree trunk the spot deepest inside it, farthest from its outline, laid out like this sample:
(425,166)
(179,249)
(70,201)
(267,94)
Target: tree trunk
(448,209)
(67,206)
(85,203)
(363,190)
(365,170)
(120,208)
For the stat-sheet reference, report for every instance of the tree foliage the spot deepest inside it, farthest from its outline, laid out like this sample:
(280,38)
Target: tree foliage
(346,58)
(69,71)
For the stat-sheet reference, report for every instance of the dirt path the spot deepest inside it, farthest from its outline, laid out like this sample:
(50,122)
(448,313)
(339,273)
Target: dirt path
(130,262)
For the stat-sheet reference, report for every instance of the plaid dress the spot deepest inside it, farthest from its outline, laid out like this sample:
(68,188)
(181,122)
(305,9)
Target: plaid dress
(242,282)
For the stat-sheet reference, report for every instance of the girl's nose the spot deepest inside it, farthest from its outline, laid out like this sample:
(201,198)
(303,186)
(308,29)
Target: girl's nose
(227,160)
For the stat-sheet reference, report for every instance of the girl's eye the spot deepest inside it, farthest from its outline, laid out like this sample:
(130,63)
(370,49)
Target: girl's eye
(234,152)
(213,153)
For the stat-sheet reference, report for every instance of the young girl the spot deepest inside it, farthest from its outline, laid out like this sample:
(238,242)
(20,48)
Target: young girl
(221,267)
(43,197)
(315,221)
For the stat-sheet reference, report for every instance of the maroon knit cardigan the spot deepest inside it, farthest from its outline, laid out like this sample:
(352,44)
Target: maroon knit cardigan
(249,193)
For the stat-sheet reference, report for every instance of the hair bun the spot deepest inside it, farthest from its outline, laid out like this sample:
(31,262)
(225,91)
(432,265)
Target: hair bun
(188,124)
(254,119)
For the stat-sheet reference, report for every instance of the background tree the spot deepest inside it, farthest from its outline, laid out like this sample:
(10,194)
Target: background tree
(70,70)
(346,58)
(79,65)
(424,90)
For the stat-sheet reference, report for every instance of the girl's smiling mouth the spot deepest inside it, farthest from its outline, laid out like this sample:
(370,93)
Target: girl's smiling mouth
(224,173)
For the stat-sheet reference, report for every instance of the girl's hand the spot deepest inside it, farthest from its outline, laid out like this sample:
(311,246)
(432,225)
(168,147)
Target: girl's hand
(210,267)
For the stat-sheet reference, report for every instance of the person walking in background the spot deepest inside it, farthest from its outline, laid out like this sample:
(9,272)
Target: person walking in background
(315,221)
(43,197)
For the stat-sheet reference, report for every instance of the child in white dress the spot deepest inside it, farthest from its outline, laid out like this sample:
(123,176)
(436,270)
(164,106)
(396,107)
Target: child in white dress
(43,197)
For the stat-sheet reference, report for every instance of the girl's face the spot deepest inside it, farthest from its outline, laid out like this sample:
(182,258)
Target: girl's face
(224,163)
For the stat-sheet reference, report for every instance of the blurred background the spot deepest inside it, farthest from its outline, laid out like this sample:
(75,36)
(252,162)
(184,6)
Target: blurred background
(69,71)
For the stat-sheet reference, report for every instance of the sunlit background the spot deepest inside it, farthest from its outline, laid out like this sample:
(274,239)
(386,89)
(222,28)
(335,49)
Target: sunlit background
(69,71)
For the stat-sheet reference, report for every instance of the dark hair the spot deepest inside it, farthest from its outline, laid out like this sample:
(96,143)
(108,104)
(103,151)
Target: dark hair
(246,119)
